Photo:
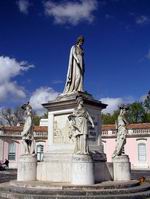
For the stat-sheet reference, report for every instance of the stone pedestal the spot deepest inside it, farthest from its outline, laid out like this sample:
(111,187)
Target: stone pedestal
(27,168)
(122,168)
(55,168)
(82,170)
(58,162)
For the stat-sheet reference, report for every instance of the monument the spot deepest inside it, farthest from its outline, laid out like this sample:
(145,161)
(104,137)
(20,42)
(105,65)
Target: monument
(75,152)
(121,163)
(27,162)
(74,165)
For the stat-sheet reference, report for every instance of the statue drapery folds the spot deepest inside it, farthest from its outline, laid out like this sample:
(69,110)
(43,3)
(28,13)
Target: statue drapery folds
(75,75)
(27,133)
(80,128)
(121,126)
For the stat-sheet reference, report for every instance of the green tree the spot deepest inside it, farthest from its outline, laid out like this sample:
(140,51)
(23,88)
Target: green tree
(136,113)
(36,120)
(147,103)
(110,118)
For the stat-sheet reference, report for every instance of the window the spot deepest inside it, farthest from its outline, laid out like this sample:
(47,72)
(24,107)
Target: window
(40,151)
(142,152)
(12,151)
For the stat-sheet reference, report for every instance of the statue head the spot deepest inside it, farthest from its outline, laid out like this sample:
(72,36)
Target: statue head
(123,109)
(80,40)
(27,108)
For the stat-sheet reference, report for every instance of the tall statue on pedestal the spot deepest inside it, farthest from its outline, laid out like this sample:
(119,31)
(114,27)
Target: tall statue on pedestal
(121,126)
(75,75)
(27,133)
(121,161)
(27,165)
(79,123)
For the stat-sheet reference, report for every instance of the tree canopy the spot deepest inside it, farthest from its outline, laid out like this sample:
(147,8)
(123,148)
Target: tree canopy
(139,112)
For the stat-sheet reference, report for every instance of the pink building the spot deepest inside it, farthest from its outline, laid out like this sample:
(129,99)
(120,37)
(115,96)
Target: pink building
(137,146)
(137,143)
(10,147)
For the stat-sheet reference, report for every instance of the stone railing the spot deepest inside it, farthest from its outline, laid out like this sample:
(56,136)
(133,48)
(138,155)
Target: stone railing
(41,134)
(18,134)
(140,131)
(109,133)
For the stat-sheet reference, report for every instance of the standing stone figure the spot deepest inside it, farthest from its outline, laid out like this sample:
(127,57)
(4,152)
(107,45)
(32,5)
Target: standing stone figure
(75,75)
(27,133)
(121,126)
(79,123)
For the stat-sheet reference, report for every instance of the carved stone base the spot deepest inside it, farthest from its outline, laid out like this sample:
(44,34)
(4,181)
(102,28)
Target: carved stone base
(27,168)
(56,167)
(122,168)
(82,170)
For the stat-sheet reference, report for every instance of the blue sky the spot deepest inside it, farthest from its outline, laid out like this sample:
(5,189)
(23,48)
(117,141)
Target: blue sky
(35,41)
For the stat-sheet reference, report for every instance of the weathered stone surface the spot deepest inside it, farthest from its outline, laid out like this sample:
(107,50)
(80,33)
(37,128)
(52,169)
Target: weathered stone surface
(107,190)
(27,168)
(122,168)
(82,170)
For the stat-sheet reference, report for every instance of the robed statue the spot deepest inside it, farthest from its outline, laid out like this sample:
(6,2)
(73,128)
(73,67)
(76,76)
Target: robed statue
(121,126)
(27,133)
(80,120)
(75,74)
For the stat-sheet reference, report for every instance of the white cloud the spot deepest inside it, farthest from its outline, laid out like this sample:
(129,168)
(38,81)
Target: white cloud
(23,6)
(9,69)
(11,89)
(140,20)
(114,103)
(71,12)
(40,96)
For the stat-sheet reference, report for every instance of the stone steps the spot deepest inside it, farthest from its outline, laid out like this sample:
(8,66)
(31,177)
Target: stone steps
(142,195)
(16,192)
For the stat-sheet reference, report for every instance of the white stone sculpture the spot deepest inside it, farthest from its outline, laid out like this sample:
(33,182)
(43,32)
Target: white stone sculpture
(27,133)
(121,126)
(79,127)
(75,73)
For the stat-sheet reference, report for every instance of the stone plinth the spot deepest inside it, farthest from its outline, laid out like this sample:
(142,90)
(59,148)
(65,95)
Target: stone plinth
(57,164)
(55,168)
(122,168)
(82,170)
(27,168)
(59,126)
